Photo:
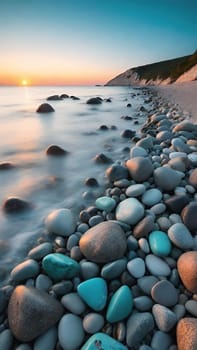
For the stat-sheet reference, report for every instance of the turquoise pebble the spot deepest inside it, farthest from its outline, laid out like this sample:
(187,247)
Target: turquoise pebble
(159,243)
(103,341)
(59,266)
(120,305)
(105,203)
(94,293)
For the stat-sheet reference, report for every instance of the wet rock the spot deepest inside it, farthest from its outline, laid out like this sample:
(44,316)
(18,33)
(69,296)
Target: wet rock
(157,266)
(180,236)
(54,98)
(140,168)
(55,150)
(60,222)
(184,126)
(59,266)
(193,178)
(137,151)
(117,172)
(91,181)
(186,334)
(6,166)
(70,332)
(176,203)
(73,303)
(75,98)
(189,216)
(27,269)
(63,96)
(144,227)
(164,293)
(103,127)
(102,159)
(93,322)
(165,319)
(46,341)
(31,312)
(6,339)
(45,108)
(187,269)
(128,134)
(103,243)
(94,101)
(138,326)
(14,205)
(130,211)
(166,178)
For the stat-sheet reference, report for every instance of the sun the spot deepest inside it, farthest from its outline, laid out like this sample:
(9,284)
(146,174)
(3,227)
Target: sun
(24,82)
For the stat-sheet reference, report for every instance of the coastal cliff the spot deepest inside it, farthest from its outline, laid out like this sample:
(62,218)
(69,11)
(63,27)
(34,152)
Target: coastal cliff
(177,70)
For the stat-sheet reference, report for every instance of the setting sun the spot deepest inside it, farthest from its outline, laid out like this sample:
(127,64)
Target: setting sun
(24,82)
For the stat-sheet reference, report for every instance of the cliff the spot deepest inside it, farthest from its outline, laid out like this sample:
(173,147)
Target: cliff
(177,70)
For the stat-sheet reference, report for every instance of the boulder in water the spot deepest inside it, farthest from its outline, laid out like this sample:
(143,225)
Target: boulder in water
(45,108)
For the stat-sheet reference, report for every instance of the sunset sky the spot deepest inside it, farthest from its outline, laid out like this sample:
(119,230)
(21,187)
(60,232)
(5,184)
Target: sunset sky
(51,42)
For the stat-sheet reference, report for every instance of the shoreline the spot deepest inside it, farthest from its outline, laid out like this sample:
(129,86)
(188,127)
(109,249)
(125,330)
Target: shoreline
(142,187)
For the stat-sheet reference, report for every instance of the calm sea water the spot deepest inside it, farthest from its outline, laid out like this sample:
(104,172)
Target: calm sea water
(50,183)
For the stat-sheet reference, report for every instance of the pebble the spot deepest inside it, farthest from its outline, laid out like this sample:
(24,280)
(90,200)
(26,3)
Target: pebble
(143,303)
(102,341)
(186,334)
(113,269)
(138,326)
(46,341)
(120,305)
(157,266)
(94,293)
(13,205)
(95,220)
(43,282)
(165,318)
(158,209)
(159,243)
(25,307)
(144,227)
(191,307)
(61,222)
(176,203)
(189,216)
(146,283)
(193,178)
(161,341)
(185,125)
(89,269)
(136,267)
(144,246)
(105,203)
(27,269)
(70,332)
(140,168)
(73,303)
(152,197)
(130,211)
(57,151)
(59,266)
(166,178)
(137,151)
(104,242)
(40,251)
(93,322)
(6,340)
(146,143)
(135,190)
(117,172)
(180,236)
(164,293)
(187,269)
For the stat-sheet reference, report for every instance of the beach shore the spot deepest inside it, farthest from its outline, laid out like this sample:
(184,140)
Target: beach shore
(183,94)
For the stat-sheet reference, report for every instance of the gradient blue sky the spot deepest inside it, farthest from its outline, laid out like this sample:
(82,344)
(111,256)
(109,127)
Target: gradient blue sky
(90,41)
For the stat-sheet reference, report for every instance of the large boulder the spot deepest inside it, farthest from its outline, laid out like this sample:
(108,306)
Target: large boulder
(45,108)
(31,312)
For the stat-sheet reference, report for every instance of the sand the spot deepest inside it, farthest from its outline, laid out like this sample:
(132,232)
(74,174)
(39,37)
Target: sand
(184,94)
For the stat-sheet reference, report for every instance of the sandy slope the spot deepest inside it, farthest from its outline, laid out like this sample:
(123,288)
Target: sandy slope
(184,94)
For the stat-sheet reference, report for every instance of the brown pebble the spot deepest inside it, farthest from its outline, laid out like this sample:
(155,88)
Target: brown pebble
(186,334)
(187,268)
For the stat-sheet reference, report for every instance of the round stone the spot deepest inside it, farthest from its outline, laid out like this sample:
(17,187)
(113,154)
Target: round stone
(189,216)
(40,251)
(127,133)
(161,341)
(114,269)
(136,267)
(130,211)
(176,203)
(186,334)
(143,303)
(138,152)
(187,268)
(159,243)
(146,283)
(93,322)
(144,227)
(45,108)
(6,339)
(59,266)
(157,266)
(14,205)
(193,178)
(139,325)
(104,242)
(61,222)
(165,319)
(120,305)
(180,236)
(140,168)
(105,203)
(89,269)
(191,307)
(152,197)
(166,178)
(164,293)
(73,303)
(94,101)
(70,332)
(135,190)
(47,340)
(117,172)
(31,312)
(55,150)
(27,269)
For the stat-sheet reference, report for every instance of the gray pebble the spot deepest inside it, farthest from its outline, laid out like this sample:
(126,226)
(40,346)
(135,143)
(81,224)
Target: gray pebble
(93,322)
(135,190)
(89,269)
(180,236)
(46,341)
(164,293)
(113,269)
(152,197)
(23,347)
(73,303)
(179,311)
(83,228)
(62,288)
(157,266)
(144,246)
(27,269)
(136,267)
(138,326)
(43,282)
(6,340)
(40,251)
(158,209)
(70,332)
(165,319)
(161,341)
(72,241)
(164,223)
(95,220)
(146,283)
(143,303)
(191,307)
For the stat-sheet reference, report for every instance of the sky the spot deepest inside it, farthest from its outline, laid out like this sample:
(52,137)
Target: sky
(84,42)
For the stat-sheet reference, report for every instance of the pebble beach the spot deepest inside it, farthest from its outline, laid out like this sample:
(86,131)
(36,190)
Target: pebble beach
(121,272)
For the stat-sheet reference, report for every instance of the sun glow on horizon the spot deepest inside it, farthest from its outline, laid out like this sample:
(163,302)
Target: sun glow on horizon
(24,82)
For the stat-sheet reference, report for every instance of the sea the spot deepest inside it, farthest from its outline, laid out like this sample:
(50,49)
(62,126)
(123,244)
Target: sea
(48,182)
